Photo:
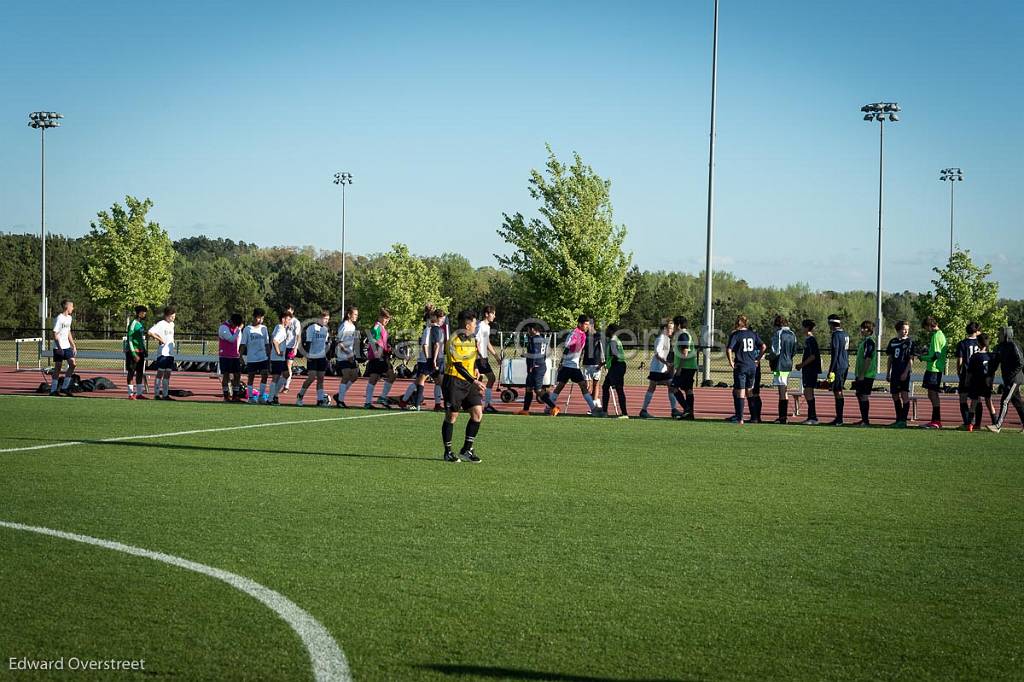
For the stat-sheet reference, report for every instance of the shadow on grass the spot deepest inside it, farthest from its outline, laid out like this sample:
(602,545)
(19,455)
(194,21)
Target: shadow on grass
(521,674)
(203,448)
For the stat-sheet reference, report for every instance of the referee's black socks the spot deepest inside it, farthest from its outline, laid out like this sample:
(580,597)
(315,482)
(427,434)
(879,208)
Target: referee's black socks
(446,434)
(472,428)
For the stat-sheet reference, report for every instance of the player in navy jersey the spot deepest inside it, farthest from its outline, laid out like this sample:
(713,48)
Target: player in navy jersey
(964,350)
(780,361)
(901,352)
(810,368)
(536,369)
(744,350)
(839,366)
(979,383)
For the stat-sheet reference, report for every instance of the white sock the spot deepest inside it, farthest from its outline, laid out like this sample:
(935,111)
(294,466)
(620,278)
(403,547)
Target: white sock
(138,389)
(131,389)
(167,385)
(437,393)
(409,391)
(647,398)
(263,385)
(487,396)
(67,382)
(274,387)
(387,389)
(369,393)
(343,391)
(53,384)
(157,383)
(672,400)
(288,381)
(590,402)
(319,394)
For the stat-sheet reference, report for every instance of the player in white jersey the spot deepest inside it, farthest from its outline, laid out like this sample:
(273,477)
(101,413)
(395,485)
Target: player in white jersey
(279,356)
(291,345)
(346,361)
(255,347)
(484,350)
(443,334)
(315,346)
(661,368)
(428,359)
(570,370)
(163,333)
(64,350)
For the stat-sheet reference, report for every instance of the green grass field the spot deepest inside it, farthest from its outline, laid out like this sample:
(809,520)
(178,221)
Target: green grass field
(579,549)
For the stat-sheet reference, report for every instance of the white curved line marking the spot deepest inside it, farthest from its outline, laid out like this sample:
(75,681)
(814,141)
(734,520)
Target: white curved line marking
(329,664)
(150,436)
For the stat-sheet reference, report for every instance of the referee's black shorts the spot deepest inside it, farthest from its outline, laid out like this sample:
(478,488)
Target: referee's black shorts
(460,394)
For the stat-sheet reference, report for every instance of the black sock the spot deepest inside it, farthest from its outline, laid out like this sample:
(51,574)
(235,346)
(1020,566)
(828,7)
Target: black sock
(783,410)
(621,392)
(548,400)
(471,430)
(689,404)
(606,394)
(446,434)
(417,397)
(840,403)
(812,410)
(906,412)
(977,416)
(737,403)
(527,401)
(936,414)
(755,408)
(965,412)
(865,408)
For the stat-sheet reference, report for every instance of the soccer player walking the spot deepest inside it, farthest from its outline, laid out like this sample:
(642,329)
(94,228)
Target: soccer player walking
(426,360)
(255,344)
(979,383)
(839,366)
(1010,359)
(379,361)
(593,361)
(536,370)
(279,356)
(685,362)
(291,345)
(780,361)
(64,350)
(616,376)
(964,350)
(135,354)
(935,366)
(570,367)
(866,370)
(484,351)
(163,333)
(229,341)
(315,346)
(346,364)
(743,351)
(900,354)
(810,368)
(660,374)
(462,389)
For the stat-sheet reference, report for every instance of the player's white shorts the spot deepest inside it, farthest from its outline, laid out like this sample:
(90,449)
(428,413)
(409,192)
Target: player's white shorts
(780,378)
(592,372)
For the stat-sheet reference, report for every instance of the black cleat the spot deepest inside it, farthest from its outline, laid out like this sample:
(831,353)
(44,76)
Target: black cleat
(449,456)
(469,456)
(489,409)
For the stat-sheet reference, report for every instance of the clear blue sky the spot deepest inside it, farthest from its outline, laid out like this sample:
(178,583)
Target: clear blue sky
(234,117)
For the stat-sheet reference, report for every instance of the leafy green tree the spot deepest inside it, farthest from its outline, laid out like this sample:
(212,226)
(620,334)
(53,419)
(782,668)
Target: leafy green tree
(962,294)
(128,259)
(306,283)
(571,261)
(402,283)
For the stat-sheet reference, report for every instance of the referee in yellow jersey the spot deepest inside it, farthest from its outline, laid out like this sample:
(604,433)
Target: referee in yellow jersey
(462,388)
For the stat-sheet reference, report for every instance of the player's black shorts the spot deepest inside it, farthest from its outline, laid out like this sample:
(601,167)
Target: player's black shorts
(932,381)
(165,362)
(743,377)
(659,377)
(425,369)
(683,379)
(278,366)
(809,378)
(377,366)
(258,367)
(839,383)
(316,364)
(460,394)
(982,388)
(899,386)
(616,375)
(863,386)
(964,387)
(483,366)
(567,374)
(230,365)
(131,364)
(65,354)
(345,366)
(535,377)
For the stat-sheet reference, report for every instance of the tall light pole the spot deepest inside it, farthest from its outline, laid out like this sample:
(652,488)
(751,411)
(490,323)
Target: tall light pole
(951,175)
(42,120)
(880,111)
(342,178)
(708,313)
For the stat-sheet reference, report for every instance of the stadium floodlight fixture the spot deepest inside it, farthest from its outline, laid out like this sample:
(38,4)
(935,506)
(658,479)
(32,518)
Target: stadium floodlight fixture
(881,112)
(709,313)
(342,178)
(41,121)
(951,175)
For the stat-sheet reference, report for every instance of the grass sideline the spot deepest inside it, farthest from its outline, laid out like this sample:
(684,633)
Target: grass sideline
(579,549)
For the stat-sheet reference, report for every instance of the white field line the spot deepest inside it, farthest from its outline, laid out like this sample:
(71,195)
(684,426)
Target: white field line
(171,434)
(327,659)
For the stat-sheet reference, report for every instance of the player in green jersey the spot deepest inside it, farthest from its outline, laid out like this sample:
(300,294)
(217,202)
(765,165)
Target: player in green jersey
(135,354)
